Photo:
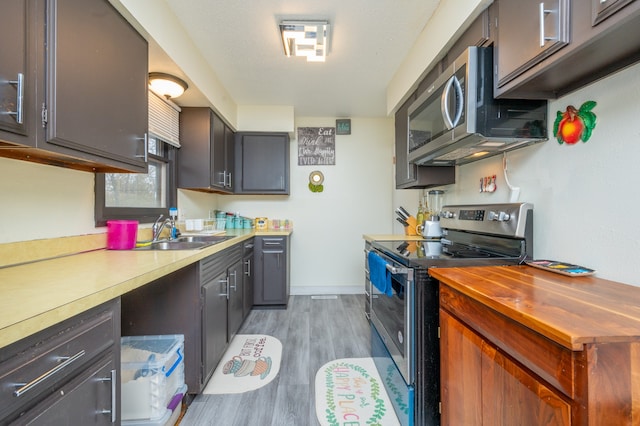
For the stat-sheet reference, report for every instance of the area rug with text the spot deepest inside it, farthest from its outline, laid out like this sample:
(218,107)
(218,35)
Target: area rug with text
(250,362)
(349,391)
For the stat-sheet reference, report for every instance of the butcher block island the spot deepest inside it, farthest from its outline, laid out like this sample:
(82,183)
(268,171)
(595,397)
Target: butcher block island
(524,346)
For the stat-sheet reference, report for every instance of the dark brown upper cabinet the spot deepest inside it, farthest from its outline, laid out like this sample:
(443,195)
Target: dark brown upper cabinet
(82,71)
(205,159)
(546,50)
(528,32)
(262,163)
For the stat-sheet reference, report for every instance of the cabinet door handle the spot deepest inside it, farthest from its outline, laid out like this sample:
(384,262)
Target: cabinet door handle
(25,387)
(114,399)
(235,280)
(248,271)
(114,402)
(230,185)
(18,113)
(146,149)
(543,13)
(226,284)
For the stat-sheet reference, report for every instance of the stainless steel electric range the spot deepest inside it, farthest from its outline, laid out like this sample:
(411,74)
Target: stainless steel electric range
(404,305)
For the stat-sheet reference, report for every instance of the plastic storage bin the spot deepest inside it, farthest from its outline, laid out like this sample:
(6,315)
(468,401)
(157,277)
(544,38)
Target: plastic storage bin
(169,417)
(152,373)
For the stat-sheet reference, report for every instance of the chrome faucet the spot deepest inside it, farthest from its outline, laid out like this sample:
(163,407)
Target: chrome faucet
(158,226)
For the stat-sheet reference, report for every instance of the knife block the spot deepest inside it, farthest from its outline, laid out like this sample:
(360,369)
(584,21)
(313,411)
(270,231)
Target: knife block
(411,229)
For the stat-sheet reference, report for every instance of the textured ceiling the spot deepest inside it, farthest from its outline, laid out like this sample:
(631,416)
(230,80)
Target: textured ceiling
(240,41)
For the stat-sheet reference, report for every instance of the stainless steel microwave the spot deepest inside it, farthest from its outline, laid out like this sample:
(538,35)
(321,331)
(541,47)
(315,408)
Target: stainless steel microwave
(457,120)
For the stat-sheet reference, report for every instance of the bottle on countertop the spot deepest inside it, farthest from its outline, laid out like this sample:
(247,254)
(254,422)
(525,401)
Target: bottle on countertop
(426,211)
(173,215)
(420,216)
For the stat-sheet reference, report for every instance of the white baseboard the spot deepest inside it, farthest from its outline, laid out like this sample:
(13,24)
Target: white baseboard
(341,289)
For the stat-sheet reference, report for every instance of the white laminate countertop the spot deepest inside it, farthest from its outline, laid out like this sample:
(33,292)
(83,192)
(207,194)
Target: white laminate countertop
(37,295)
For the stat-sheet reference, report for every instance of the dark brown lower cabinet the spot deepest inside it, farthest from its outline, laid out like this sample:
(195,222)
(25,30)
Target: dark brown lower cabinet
(247,277)
(271,279)
(215,291)
(236,298)
(66,374)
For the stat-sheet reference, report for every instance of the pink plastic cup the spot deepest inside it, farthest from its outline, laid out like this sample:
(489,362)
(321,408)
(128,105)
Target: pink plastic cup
(122,234)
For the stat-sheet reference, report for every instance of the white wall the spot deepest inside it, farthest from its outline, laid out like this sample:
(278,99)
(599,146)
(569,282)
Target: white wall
(585,196)
(266,118)
(326,244)
(38,201)
(195,204)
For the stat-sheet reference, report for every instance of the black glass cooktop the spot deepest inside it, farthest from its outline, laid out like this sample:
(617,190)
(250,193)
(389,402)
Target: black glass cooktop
(435,253)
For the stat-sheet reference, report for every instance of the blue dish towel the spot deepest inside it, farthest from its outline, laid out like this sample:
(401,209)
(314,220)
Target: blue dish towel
(378,274)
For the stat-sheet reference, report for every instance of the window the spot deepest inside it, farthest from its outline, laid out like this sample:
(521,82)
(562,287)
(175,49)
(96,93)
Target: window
(136,196)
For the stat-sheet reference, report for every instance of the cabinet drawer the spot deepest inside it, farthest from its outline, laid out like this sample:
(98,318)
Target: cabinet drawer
(216,264)
(272,243)
(38,366)
(553,363)
(88,399)
(247,248)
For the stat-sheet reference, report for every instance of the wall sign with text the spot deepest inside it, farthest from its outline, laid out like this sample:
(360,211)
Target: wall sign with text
(316,146)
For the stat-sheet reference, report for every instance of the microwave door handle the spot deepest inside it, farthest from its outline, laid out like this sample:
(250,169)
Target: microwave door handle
(446,116)
(460,103)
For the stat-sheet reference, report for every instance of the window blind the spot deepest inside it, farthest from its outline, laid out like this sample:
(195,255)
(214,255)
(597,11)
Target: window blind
(164,119)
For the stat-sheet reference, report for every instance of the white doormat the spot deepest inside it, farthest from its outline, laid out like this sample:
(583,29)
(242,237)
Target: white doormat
(350,391)
(250,362)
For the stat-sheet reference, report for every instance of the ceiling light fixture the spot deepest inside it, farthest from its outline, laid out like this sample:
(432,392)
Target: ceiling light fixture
(167,85)
(305,38)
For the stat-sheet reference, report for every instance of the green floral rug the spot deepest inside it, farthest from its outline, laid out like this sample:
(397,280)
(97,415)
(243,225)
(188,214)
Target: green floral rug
(349,391)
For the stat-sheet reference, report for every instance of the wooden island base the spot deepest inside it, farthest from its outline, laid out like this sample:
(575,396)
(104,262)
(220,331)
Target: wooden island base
(524,346)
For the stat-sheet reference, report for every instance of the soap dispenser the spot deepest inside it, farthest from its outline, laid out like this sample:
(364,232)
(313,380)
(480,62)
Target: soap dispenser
(173,215)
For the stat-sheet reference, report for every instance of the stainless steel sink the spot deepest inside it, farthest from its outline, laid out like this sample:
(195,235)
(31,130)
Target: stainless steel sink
(195,242)
(174,245)
(204,238)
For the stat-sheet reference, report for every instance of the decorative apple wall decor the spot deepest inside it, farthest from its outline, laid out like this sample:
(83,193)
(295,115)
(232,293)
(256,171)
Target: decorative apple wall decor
(575,124)
(315,181)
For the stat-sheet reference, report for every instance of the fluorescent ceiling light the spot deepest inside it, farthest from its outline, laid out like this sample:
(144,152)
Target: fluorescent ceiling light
(305,38)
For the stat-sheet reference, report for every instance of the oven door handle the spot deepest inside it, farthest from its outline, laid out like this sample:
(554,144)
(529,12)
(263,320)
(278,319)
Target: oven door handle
(396,271)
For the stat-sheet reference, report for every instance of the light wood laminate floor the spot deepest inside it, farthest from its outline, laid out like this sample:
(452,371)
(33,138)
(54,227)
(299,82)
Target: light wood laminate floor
(313,332)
